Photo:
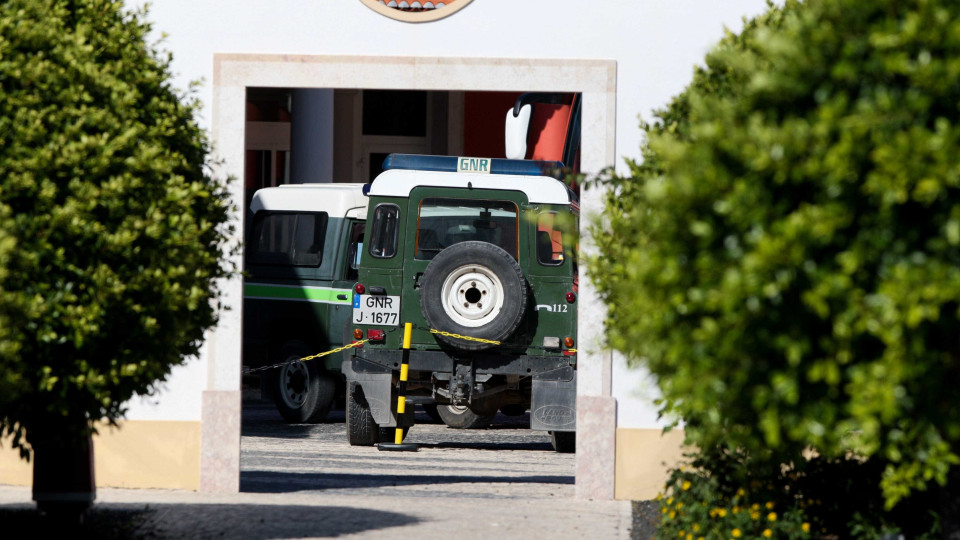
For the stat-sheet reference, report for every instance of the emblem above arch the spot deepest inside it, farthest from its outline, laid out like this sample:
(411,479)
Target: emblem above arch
(416,11)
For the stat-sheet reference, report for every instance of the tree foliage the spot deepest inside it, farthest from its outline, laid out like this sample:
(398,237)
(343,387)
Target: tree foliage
(112,227)
(786,258)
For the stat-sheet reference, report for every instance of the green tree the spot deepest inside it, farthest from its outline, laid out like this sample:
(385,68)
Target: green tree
(112,228)
(786,258)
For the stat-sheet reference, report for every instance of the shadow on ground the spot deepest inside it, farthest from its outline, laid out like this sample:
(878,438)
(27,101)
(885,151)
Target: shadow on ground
(285,482)
(483,446)
(646,518)
(260,419)
(202,521)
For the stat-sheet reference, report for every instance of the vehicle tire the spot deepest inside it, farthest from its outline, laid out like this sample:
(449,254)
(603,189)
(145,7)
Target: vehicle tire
(514,409)
(431,410)
(473,289)
(564,442)
(303,391)
(461,417)
(361,429)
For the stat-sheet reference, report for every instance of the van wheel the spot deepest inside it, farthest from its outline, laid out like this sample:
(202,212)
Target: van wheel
(564,442)
(361,429)
(461,417)
(473,289)
(303,391)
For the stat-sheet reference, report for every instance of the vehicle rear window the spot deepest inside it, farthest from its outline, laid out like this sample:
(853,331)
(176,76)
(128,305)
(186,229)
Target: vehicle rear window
(549,240)
(444,222)
(286,238)
(384,230)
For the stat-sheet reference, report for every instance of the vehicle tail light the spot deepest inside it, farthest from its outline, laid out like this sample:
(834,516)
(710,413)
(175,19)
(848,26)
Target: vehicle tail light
(359,288)
(376,335)
(568,342)
(571,297)
(357,333)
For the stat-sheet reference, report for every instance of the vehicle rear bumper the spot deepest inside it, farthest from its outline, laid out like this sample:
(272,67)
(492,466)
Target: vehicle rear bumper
(553,399)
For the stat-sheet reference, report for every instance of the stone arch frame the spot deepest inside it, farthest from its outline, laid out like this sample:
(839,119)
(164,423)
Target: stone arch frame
(596,79)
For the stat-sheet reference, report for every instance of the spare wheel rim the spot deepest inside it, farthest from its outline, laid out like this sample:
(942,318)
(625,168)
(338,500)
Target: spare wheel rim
(472,296)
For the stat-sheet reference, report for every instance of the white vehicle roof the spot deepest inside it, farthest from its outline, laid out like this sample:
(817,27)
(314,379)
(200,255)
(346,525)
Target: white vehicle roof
(337,200)
(538,189)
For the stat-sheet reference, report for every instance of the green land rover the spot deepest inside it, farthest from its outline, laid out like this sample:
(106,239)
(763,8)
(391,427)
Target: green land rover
(300,271)
(480,256)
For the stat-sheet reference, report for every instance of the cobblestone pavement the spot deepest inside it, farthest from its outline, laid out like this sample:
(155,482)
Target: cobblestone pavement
(304,481)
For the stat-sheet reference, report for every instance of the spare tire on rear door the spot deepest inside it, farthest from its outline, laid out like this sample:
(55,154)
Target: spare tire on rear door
(473,289)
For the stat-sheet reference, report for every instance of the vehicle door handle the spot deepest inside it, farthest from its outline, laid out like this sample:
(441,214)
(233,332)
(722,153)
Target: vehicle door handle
(341,297)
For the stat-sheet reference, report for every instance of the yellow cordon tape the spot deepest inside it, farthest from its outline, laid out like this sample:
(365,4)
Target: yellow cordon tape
(458,336)
(468,338)
(338,349)
(306,358)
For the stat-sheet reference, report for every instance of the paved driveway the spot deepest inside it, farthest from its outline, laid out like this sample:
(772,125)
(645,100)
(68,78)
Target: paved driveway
(505,461)
(304,481)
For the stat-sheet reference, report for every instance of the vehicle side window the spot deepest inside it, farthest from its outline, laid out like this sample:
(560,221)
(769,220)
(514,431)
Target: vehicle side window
(384,231)
(549,240)
(355,243)
(290,239)
(444,222)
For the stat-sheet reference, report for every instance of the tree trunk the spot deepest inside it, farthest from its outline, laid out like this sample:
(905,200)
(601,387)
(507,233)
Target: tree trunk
(950,506)
(63,479)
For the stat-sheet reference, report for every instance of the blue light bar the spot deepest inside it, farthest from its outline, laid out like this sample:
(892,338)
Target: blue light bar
(522,167)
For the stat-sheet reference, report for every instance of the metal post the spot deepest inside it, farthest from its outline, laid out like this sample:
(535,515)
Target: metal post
(398,444)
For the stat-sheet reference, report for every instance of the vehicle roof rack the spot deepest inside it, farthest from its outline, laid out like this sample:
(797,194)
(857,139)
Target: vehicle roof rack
(523,167)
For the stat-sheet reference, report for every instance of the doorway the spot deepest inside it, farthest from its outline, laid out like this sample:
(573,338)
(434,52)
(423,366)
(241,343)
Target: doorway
(236,73)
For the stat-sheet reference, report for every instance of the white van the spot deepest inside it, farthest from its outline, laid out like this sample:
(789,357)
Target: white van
(301,245)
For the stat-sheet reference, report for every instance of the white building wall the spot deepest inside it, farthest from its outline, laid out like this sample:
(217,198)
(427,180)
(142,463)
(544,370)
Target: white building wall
(655,43)
(177,398)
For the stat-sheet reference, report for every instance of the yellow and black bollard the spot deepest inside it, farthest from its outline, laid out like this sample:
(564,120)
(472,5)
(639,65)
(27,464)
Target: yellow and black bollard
(398,444)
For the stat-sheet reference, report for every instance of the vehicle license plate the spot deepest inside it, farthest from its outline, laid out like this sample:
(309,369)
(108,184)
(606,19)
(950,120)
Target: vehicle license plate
(376,309)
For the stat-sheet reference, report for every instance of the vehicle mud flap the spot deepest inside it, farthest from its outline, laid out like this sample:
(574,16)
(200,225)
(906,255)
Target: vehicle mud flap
(379,390)
(553,403)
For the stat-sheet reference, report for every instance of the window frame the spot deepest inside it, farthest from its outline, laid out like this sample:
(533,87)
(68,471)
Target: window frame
(536,247)
(374,239)
(515,253)
(257,257)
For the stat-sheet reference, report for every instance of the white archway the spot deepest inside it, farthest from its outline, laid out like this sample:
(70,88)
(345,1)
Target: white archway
(595,79)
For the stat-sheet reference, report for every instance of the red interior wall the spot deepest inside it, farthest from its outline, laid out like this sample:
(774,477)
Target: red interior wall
(483,124)
(548,132)
(483,118)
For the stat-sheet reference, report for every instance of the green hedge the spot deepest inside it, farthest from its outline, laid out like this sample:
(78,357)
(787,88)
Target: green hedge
(786,258)
(112,229)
